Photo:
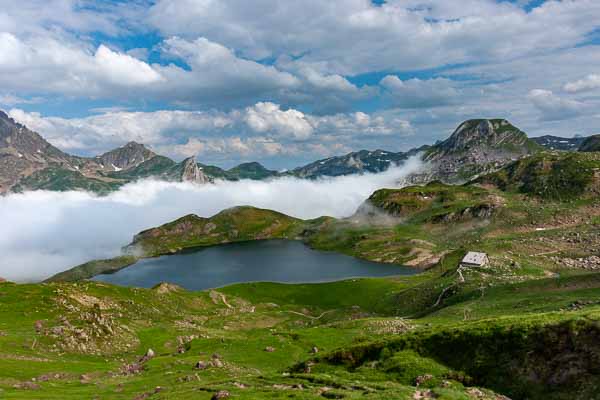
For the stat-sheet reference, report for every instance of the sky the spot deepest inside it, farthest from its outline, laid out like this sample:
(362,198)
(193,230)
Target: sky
(288,82)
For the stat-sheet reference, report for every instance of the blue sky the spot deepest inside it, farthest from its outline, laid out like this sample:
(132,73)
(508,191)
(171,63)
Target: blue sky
(288,82)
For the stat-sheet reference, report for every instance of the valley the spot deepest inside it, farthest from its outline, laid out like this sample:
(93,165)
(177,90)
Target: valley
(503,330)
(300,200)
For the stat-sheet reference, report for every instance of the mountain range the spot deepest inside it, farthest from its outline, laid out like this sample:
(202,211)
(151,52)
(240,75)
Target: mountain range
(29,162)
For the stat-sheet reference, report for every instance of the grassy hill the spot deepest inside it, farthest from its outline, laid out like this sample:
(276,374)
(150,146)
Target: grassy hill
(362,338)
(60,179)
(549,175)
(525,326)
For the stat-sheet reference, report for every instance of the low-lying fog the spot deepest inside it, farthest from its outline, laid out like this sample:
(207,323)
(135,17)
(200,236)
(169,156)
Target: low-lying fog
(42,233)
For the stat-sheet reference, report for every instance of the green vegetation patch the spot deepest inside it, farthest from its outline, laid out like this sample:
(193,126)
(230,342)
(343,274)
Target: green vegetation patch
(60,179)
(232,225)
(436,202)
(553,176)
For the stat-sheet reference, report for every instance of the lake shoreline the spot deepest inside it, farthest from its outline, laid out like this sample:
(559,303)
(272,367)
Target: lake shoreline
(273,260)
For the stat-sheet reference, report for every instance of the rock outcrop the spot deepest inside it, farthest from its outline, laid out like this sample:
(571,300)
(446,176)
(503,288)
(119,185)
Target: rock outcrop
(29,162)
(125,157)
(192,173)
(23,152)
(476,146)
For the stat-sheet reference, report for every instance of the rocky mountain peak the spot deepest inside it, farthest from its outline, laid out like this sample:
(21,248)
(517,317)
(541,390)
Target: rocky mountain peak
(23,152)
(134,145)
(191,172)
(483,132)
(128,156)
(477,146)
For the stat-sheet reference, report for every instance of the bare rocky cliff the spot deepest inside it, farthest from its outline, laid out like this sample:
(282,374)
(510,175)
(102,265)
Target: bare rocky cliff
(23,152)
(475,147)
(192,173)
(125,157)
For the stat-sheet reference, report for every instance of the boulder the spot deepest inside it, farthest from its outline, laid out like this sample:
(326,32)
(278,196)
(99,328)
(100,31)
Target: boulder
(201,365)
(39,326)
(221,394)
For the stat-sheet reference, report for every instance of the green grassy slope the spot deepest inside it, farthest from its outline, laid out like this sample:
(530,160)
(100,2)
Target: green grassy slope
(232,225)
(59,179)
(376,338)
(526,326)
(556,176)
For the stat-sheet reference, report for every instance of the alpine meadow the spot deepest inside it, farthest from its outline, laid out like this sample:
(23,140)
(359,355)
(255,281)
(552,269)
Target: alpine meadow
(268,199)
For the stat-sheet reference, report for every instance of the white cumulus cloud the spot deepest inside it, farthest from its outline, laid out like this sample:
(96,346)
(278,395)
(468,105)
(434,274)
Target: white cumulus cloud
(265,117)
(590,82)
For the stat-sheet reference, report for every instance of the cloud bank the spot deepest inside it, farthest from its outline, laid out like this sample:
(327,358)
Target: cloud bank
(47,232)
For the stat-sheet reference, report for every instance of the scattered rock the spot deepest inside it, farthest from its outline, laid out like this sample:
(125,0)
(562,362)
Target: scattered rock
(27,386)
(132,369)
(308,367)
(392,326)
(217,363)
(423,394)
(47,377)
(57,330)
(476,393)
(165,287)
(314,350)
(146,357)
(422,379)
(589,263)
(269,349)
(187,378)
(201,365)
(221,394)
(281,387)
(323,389)
(39,326)
(239,385)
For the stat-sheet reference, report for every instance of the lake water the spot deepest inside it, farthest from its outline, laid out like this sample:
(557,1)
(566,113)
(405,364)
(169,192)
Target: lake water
(258,261)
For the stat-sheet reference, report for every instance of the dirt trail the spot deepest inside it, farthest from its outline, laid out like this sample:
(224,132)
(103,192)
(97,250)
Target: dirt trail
(310,316)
